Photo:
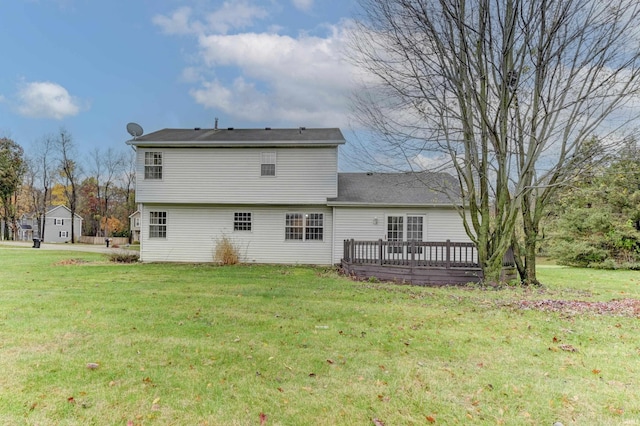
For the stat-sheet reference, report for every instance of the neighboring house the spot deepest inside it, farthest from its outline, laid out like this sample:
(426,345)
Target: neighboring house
(57,226)
(278,196)
(27,227)
(134,226)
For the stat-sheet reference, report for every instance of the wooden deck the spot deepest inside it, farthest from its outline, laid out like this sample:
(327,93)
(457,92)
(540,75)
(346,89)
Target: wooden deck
(417,262)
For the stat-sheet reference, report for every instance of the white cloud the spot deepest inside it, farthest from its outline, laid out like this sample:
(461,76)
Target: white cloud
(303,79)
(263,76)
(177,23)
(304,5)
(232,15)
(46,100)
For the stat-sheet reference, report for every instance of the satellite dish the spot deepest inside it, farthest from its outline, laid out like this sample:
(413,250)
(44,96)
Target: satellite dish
(134,129)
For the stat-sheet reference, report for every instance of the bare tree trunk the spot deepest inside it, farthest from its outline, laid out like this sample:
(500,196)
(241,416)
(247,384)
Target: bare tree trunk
(70,171)
(506,93)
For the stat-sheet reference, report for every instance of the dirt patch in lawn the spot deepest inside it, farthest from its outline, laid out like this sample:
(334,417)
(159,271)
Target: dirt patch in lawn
(71,262)
(618,307)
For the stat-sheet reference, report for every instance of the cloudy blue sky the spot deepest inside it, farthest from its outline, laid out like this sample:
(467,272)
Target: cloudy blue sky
(92,66)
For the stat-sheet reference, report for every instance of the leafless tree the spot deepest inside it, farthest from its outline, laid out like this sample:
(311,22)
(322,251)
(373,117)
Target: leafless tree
(70,172)
(106,168)
(128,180)
(509,92)
(40,174)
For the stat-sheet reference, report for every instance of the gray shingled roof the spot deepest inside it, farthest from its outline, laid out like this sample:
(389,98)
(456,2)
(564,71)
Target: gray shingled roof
(402,189)
(241,137)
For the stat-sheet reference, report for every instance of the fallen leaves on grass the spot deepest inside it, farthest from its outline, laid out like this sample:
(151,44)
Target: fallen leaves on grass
(71,262)
(263,419)
(617,307)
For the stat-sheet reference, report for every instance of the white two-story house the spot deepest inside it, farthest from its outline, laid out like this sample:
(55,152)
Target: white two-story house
(278,196)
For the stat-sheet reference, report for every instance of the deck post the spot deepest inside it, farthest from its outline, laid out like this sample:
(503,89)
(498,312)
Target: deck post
(380,252)
(413,253)
(352,252)
(448,254)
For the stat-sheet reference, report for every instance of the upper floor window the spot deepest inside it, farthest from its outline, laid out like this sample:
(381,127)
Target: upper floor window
(157,224)
(153,165)
(242,221)
(268,164)
(57,221)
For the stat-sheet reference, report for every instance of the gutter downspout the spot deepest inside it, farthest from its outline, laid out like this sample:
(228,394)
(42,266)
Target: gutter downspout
(333,236)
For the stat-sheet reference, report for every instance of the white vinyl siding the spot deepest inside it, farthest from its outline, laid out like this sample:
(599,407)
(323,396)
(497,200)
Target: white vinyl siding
(370,224)
(304,176)
(192,233)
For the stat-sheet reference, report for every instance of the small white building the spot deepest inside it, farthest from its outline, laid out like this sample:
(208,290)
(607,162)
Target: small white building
(278,196)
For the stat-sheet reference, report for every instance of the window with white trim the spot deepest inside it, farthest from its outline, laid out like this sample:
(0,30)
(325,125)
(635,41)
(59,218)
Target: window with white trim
(64,234)
(153,165)
(404,228)
(136,222)
(414,228)
(314,226)
(304,227)
(242,221)
(157,224)
(57,221)
(268,164)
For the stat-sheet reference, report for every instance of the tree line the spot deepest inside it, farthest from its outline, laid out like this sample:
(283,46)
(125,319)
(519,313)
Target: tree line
(99,186)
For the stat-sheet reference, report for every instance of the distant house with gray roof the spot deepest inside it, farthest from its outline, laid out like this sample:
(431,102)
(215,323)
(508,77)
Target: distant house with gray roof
(56,224)
(278,196)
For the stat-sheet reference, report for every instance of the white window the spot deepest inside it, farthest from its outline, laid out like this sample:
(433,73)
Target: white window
(304,227)
(395,228)
(414,228)
(64,234)
(268,164)
(242,221)
(405,228)
(157,224)
(314,226)
(57,221)
(153,165)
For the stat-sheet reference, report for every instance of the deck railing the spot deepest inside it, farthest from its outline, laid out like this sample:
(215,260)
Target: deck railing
(415,253)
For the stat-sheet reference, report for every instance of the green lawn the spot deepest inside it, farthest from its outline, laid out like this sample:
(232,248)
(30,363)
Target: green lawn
(245,345)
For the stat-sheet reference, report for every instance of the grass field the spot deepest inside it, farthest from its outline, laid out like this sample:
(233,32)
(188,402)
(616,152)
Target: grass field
(84,341)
